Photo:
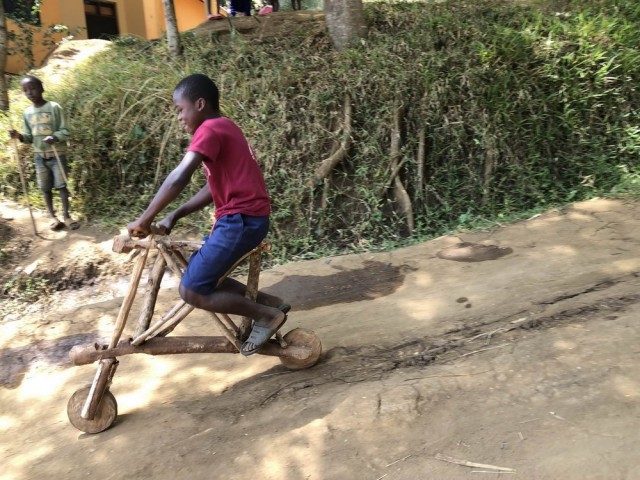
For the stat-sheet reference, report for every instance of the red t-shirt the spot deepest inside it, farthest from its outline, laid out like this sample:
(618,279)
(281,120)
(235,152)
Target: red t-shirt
(233,174)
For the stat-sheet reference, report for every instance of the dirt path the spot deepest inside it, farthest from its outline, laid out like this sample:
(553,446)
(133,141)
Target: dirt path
(527,362)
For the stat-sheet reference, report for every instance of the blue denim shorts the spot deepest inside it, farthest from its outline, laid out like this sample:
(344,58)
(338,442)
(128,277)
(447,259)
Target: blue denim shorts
(232,237)
(49,174)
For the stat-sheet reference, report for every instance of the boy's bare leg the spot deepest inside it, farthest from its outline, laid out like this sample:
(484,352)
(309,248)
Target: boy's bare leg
(228,300)
(48,200)
(64,199)
(56,224)
(263,298)
(68,221)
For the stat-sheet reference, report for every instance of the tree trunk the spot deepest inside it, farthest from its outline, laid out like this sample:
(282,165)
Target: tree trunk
(173,38)
(345,21)
(4,94)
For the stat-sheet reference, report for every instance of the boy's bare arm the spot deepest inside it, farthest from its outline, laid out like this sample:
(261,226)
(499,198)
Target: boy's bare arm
(27,135)
(197,202)
(61,133)
(173,185)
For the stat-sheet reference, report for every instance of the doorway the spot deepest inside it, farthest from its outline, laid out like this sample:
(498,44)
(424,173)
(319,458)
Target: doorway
(102,19)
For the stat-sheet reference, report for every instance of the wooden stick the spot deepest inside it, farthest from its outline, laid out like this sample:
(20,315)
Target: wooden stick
(466,463)
(168,257)
(142,336)
(231,325)
(173,323)
(251,292)
(180,259)
(225,331)
(263,247)
(484,350)
(128,299)
(101,381)
(86,354)
(490,471)
(64,175)
(125,244)
(23,180)
(159,324)
(151,295)
(399,460)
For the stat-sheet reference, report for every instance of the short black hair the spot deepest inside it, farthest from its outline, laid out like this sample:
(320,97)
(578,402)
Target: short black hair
(198,85)
(32,79)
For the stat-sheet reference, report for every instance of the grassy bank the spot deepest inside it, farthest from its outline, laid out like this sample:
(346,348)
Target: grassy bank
(456,113)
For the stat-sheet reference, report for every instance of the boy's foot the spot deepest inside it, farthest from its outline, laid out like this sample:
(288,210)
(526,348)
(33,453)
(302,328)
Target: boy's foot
(56,225)
(71,224)
(261,333)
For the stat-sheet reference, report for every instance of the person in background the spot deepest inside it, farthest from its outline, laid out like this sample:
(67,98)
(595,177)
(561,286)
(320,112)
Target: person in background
(240,6)
(46,129)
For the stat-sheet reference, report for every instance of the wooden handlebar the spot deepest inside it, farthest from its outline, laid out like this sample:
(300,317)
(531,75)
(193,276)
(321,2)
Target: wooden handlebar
(124,244)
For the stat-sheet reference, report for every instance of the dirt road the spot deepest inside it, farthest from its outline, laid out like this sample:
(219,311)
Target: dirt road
(529,362)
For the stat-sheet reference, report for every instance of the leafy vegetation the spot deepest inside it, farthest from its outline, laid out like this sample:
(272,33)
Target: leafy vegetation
(24,11)
(483,110)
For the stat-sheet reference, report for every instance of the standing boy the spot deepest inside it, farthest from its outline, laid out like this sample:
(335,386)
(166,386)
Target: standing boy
(44,127)
(236,187)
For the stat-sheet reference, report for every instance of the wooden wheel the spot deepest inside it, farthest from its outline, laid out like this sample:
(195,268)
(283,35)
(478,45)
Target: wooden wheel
(105,414)
(302,337)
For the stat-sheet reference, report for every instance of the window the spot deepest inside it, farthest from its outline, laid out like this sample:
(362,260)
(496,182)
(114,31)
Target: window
(102,19)
(101,9)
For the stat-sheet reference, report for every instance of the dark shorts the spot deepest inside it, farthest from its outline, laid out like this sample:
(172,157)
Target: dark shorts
(49,174)
(232,237)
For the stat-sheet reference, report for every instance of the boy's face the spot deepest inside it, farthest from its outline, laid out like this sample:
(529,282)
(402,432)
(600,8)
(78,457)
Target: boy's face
(190,114)
(32,90)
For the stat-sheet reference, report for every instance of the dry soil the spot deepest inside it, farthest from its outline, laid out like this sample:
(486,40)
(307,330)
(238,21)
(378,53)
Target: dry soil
(528,362)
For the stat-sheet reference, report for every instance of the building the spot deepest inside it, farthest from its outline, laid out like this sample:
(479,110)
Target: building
(98,19)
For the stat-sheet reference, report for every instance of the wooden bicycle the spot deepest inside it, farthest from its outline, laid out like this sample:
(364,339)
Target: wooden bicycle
(93,409)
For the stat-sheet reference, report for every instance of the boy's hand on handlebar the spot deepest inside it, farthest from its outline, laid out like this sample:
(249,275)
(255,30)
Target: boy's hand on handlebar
(164,226)
(137,229)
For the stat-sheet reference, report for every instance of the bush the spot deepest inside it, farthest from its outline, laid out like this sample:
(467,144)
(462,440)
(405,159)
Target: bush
(515,108)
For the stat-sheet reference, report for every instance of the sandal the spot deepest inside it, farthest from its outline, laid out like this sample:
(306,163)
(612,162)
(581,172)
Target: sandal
(259,335)
(56,225)
(71,224)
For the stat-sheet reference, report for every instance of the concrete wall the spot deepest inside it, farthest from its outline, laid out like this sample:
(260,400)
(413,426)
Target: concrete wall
(51,13)
(190,13)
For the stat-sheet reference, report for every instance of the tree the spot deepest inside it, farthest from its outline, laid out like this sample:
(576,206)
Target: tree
(4,94)
(345,21)
(173,37)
